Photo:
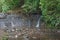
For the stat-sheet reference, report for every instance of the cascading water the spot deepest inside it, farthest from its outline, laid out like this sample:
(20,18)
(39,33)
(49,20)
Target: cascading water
(35,20)
(38,23)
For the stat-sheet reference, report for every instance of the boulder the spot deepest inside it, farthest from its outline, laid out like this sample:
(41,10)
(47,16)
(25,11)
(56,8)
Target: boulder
(2,16)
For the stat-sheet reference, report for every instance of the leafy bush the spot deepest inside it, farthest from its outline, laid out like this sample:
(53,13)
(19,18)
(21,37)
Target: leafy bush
(51,13)
(30,5)
(6,5)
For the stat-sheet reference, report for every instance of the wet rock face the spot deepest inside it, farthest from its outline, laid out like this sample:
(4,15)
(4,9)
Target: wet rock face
(10,21)
(35,20)
(2,16)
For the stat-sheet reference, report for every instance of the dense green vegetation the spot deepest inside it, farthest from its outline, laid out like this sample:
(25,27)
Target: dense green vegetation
(30,5)
(8,5)
(51,13)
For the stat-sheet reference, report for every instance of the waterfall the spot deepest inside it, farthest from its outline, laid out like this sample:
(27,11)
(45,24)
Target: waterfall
(38,23)
(12,24)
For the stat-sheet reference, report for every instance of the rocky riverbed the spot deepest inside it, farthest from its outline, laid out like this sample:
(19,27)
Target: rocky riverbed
(16,27)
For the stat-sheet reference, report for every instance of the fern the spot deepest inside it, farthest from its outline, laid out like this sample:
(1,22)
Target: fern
(51,13)
(30,5)
(6,5)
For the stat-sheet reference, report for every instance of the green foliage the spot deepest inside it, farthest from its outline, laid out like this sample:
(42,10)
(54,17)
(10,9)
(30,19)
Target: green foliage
(5,38)
(6,5)
(51,13)
(30,5)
